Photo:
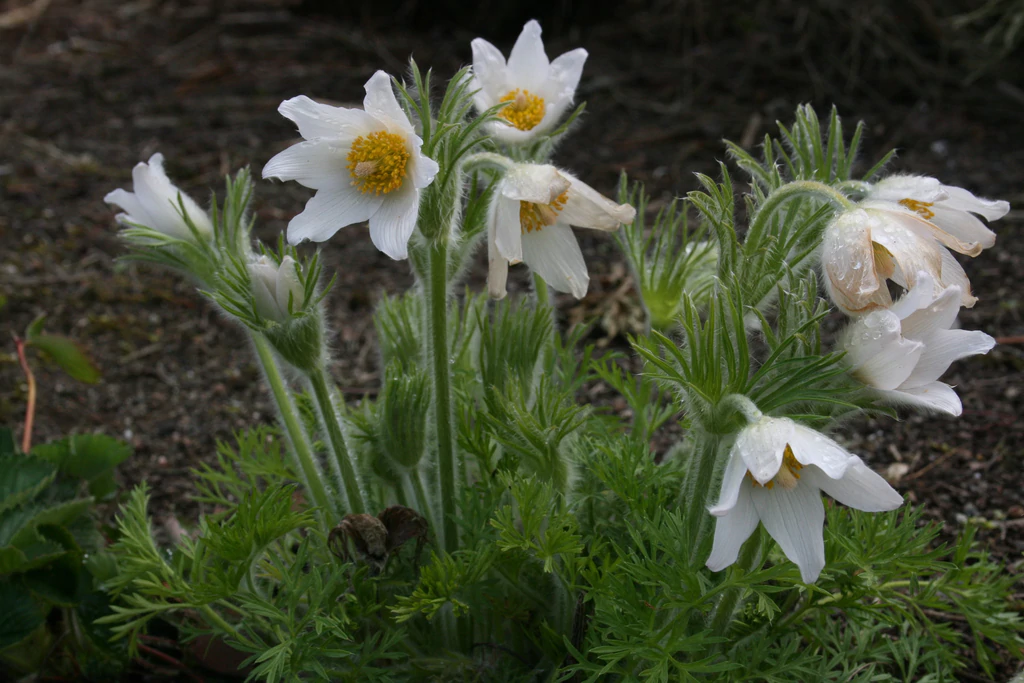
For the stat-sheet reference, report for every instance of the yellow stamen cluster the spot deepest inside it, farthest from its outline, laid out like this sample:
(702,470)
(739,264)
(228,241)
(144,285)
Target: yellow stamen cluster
(378,162)
(920,208)
(536,216)
(787,474)
(526,110)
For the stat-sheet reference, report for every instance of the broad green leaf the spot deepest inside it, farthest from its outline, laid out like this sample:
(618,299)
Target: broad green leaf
(35,328)
(7,448)
(63,582)
(91,457)
(69,356)
(20,616)
(22,478)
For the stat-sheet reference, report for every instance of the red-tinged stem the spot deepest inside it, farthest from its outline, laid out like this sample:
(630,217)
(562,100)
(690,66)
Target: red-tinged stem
(30,409)
(176,663)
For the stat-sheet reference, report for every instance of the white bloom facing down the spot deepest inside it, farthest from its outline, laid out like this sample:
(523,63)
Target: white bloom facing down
(529,221)
(902,351)
(775,473)
(903,227)
(365,164)
(539,91)
(276,288)
(154,203)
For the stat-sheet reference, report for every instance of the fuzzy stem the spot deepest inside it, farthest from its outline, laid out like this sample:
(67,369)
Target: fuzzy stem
(750,556)
(792,190)
(437,308)
(308,469)
(30,407)
(697,489)
(423,502)
(342,462)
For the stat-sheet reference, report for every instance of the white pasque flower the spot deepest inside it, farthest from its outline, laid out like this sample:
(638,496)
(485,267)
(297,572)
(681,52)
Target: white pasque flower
(365,164)
(276,287)
(539,91)
(774,475)
(901,228)
(903,350)
(154,203)
(529,220)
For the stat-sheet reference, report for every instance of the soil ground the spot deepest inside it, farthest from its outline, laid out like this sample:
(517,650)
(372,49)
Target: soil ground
(88,89)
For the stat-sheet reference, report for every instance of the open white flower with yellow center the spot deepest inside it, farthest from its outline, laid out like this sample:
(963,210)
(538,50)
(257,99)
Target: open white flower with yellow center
(902,351)
(154,203)
(529,221)
(775,474)
(365,164)
(539,91)
(276,289)
(902,227)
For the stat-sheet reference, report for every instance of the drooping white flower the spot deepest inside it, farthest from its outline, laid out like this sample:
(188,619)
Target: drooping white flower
(902,351)
(775,473)
(539,91)
(529,220)
(365,164)
(154,203)
(903,227)
(275,288)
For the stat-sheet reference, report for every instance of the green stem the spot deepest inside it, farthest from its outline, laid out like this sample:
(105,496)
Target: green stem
(486,160)
(423,502)
(218,621)
(750,558)
(437,308)
(697,488)
(540,288)
(344,469)
(308,469)
(792,190)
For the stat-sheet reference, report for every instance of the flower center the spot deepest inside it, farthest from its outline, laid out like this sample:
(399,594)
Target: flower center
(526,110)
(536,216)
(378,162)
(787,474)
(920,208)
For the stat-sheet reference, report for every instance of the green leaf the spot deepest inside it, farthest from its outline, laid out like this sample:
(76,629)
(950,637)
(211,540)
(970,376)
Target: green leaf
(20,615)
(91,457)
(7,447)
(35,328)
(63,582)
(22,478)
(68,355)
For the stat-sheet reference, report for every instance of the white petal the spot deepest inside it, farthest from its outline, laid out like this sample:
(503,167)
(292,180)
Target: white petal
(159,198)
(794,518)
(732,479)
(953,275)
(587,208)
(933,396)
(879,354)
(381,104)
(859,487)
(935,316)
(317,164)
(512,135)
(848,259)
(423,169)
(528,63)
(130,204)
(731,531)
(393,224)
(316,120)
(898,187)
(921,296)
(490,73)
(536,183)
(911,249)
(969,234)
(942,350)
(811,447)
(963,200)
(507,229)
(554,254)
(762,445)
(330,210)
(262,275)
(560,88)
(288,287)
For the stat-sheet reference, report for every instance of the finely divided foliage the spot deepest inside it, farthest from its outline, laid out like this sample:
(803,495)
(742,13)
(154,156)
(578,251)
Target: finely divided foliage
(552,542)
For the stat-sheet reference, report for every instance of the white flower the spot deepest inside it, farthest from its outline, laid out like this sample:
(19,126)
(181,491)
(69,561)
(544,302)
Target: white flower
(902,351)
(539,91)
(275,288)
(775,472)
(365,164)
(529,221)
(899,230)
(154,203)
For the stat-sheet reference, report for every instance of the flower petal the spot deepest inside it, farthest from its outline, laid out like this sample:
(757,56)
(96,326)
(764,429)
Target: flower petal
(330,210)
(316,120)
(560,89)
(288,287)
(942,350)
(490,73)
(732,479)
(528,63)
(952,275)
(859,487)
(159,198)
(554,254)
(879,354)
(762,445)
(731,531)
(507,230)
(933,396)
(423,169)
(317,164)
(921,296)
(911,249)
(963,200)
(794,518)
(970,234)
(899,187)
(128,203)
(381,104)
(587,208)
(811,447)
(393,224)
(848,259)
(935,315)
(536,183)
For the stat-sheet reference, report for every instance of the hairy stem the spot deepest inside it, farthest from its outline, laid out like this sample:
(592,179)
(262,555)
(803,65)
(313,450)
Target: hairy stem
(342,463)
(30,407)
(697,489)
(308,469)
(798,188)
(437,310)
(751,557)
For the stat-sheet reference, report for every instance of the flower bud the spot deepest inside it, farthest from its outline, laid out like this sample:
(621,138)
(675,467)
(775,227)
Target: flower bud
(276,289)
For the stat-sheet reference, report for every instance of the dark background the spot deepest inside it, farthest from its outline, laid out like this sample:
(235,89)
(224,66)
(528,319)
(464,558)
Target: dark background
(88,89)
